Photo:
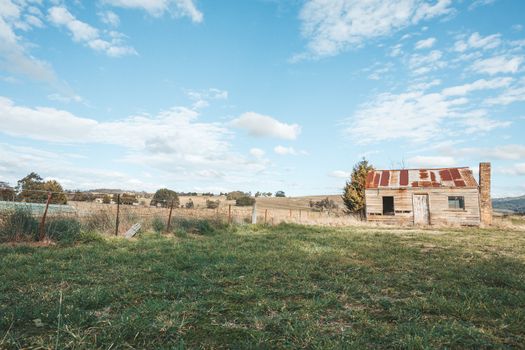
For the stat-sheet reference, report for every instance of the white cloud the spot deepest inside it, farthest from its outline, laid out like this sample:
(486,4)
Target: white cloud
(418,116)
(90,36)
(283,151)
(333,26)
(422,64)
(476,41)
(109,18)
(14,57)
(173,141)
(497,64)
(201,98)
(159,7)
(257,152)
(431,162)
(516,169)
(265,126)
(425,44)
(512,94)
(340,174)
(501,152)
(481,84)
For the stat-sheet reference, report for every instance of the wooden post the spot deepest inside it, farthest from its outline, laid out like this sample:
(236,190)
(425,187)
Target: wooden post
(265,216)
(169,218)
(229,213)
(300,214)
(43,221)
(290,212)
(118,213)
(254,214)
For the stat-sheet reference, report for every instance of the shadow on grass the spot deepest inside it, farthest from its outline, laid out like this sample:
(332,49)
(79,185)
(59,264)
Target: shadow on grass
(287,286)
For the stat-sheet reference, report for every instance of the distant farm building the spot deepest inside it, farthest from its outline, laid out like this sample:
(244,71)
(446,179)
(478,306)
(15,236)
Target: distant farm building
(447,196)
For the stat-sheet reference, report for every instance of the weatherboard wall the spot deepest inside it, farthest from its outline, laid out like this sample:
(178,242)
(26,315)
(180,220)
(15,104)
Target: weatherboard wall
(440,213)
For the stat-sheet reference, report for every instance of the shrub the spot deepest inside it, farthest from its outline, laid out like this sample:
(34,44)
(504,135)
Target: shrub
(212,204)
(158,225)
(197,226)
(18,225)
(63,229)
(244,201)
(234,195)
(189,204)
(101,221)
(322,205)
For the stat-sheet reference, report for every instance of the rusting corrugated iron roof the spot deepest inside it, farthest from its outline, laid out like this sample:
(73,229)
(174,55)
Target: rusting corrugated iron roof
(416,178)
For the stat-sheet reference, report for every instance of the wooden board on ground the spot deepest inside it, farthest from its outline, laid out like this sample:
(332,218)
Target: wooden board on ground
(133,230)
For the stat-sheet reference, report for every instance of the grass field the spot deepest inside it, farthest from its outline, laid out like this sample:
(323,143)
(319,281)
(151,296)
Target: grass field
(259,287)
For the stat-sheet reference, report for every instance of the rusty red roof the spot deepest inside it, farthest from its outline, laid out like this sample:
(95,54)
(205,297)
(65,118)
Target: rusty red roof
(416,178)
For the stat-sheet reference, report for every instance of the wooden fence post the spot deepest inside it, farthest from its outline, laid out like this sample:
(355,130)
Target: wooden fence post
(265,216)
(169,218)
(290,212)
(229,213)
(43,221)
(254,214)
(118,213)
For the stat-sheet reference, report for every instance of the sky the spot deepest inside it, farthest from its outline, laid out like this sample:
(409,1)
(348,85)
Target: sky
(259,95)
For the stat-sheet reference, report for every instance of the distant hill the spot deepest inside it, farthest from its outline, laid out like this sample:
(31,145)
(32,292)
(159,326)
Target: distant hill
(515,204)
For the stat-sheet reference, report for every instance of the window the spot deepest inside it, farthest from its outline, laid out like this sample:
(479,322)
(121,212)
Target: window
(388,205)
(455,202)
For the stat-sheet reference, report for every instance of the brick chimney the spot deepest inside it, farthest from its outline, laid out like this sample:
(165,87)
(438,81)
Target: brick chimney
(485,202)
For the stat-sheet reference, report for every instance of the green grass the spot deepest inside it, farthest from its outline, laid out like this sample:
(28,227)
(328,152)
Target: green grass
(257,287)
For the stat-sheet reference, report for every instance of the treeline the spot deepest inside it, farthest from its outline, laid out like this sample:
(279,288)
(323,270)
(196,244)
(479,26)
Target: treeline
(33,189)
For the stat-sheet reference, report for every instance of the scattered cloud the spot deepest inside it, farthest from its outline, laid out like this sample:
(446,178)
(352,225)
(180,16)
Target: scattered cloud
(516,169)
(288,151)
(257,152)
(481,84)
(340,174)
(14,55)
(422,64)
(425,44)
(201,98)
(265,126)
(335,26)
(476,41)
(478,3)
(88,35)
(157,8)
(418,116)
(110,18)
(431,162)
(497,64)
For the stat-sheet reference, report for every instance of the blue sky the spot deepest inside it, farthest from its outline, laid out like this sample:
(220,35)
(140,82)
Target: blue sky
(259,95)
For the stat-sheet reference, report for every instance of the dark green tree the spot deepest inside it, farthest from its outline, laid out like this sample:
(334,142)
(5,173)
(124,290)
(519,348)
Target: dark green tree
(164,198)
(280,194)
(354,191)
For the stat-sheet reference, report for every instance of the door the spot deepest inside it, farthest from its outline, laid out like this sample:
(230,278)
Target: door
(421,214)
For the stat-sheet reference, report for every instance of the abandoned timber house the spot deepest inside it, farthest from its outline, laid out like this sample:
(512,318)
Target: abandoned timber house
(447,196)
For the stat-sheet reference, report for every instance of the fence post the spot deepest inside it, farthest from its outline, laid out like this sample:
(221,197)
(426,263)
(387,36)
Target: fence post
(254,214)
(290,212)
(118,212)
(229,213)
(169,217)
(43,222)
(265,216)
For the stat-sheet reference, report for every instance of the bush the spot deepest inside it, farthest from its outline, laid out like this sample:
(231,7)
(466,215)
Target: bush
(158,225)
(189,204)
(63,229)
(244,201)
(197,226)
(212,204)
(18,225)
(322,205)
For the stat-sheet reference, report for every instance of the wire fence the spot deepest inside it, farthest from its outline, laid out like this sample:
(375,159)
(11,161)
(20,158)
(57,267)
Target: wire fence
(116,217)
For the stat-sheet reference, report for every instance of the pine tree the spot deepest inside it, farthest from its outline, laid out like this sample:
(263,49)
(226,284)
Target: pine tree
(354,191)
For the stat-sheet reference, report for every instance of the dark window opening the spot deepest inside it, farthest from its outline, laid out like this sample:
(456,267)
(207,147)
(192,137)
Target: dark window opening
(456,202)
(388,206)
